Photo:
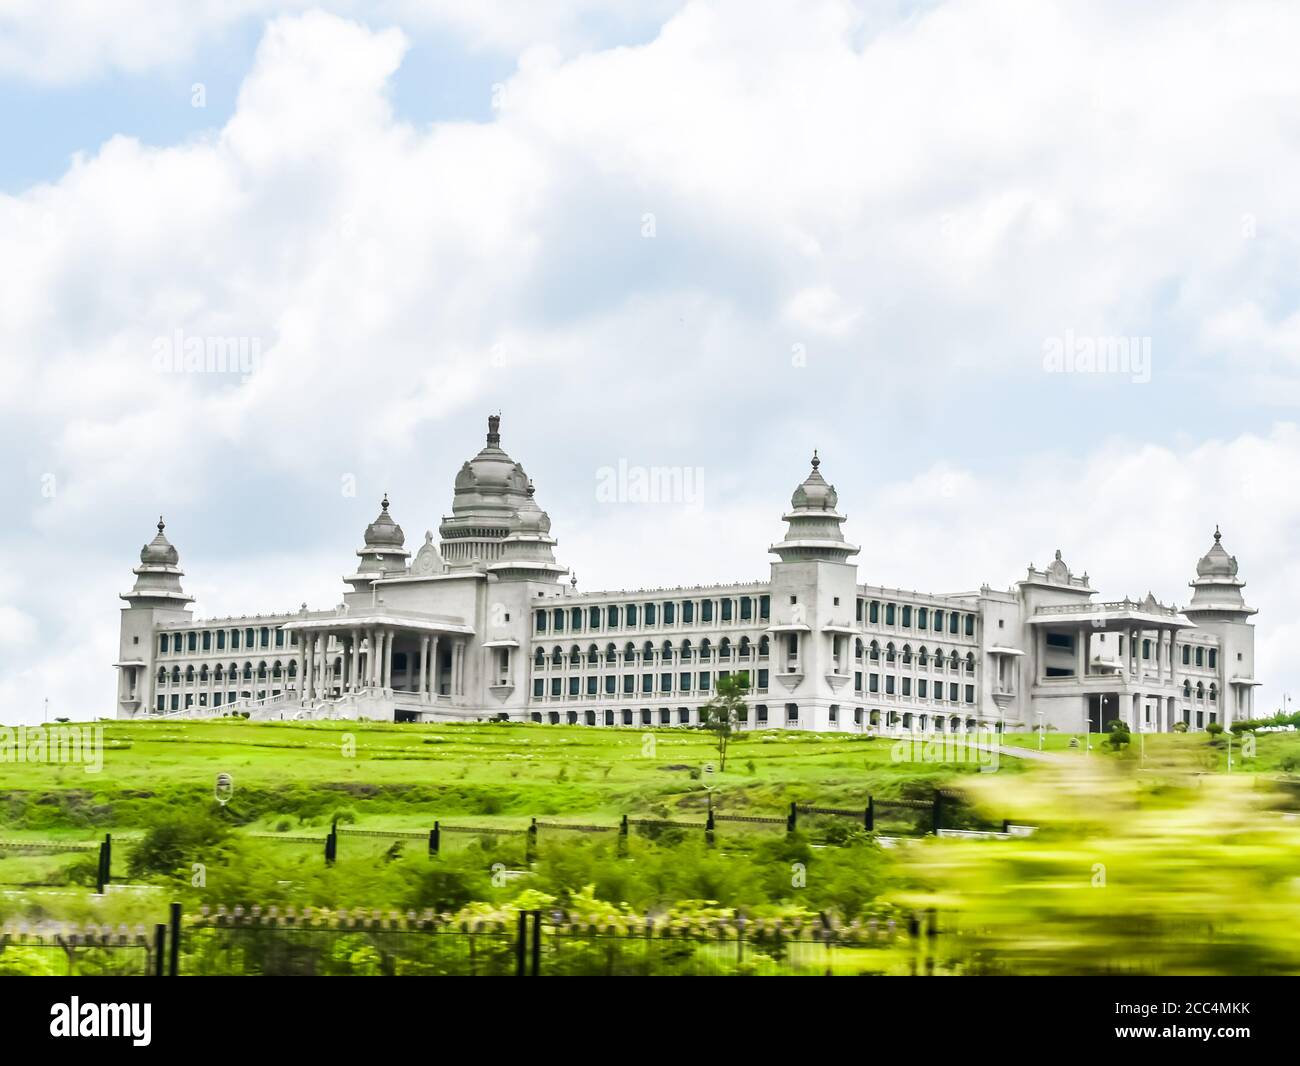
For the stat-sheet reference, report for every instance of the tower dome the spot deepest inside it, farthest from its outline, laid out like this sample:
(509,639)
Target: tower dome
(492,497)
(383,532)
(383,551)
(158,577)
(1216,592)
(813,524)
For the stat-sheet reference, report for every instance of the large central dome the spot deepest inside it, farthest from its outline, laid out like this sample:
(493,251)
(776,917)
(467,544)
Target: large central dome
(491,491)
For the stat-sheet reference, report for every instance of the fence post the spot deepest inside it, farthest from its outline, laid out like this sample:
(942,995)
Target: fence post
(159,945)
(937,812)
(530,853)
(792,819)
(435,838)
(101,876)
(869,817)
(622,836)
(332,844)
(708,826)
(521,936)
(174,943)
(537,943)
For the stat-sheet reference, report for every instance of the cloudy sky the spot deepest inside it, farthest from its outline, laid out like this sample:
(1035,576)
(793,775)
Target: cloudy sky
(702,236)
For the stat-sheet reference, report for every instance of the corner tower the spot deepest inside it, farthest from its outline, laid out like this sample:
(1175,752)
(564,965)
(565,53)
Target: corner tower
(814,595)
(156,599)
(1218,607)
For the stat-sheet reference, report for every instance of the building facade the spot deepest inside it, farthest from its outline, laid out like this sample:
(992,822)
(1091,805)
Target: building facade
(483,625)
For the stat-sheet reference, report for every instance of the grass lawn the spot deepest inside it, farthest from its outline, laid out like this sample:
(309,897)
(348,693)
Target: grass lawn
(394,776)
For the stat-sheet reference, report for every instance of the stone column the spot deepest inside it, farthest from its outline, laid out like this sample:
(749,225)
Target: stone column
(388,658)
(302,666)
(309,664)
(355,639)
(434,686)
(1081,653)
(422,687)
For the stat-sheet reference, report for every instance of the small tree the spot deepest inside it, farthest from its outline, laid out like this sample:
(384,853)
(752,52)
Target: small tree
(1120,734)
(722,713)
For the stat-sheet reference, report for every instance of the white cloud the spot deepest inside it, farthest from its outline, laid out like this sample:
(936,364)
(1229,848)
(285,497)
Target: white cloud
(920,200)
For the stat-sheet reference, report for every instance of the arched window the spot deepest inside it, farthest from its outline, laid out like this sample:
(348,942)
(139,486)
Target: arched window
(875,651)
(907,655)
(666,652)
(685,651)
(1187,690)
(593,655)
(745,648)
(970,662)
(276,669)
(557,656)
(1200,690)
(724,649)
(293,668)
(575,656)
(706,650)
(539,657)
(763,646)
(611,653)
(629,652)
(162,675)
(858,649)
(648,652)
(922,657)
(890,653)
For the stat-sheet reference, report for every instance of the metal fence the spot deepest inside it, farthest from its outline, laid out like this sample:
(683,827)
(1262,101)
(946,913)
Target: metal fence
(67,950)
(323,943)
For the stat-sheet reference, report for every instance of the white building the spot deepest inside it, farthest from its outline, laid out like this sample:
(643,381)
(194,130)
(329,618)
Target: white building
(482,625)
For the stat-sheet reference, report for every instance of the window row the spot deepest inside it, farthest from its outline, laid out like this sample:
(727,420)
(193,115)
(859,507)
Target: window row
(1201,691)
(575,687)
(923,656)
(905,616)
(920,686)
(666,612)
(684,652)
(220,639)
(220,672)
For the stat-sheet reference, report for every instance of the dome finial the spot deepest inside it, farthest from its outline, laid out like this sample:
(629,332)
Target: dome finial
(815,461)
(494,429)
(383,504)
(1217,535)
(161,526)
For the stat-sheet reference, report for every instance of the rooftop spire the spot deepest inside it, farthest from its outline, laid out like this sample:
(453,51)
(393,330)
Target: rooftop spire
(815,461)
(1217,535)
(161,526)
(494,430)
